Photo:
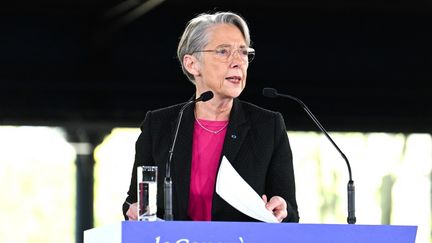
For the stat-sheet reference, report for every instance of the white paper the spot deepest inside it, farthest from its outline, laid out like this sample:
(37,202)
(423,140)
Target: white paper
(239,194)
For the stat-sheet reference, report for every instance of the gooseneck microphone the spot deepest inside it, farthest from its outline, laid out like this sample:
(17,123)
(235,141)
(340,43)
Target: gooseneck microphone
(351,219)
(168,214)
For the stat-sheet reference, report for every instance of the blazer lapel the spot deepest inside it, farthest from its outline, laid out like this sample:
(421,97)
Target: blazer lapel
(236,134)
(237,131)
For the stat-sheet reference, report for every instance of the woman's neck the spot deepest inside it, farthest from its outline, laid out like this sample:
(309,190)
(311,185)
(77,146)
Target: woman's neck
(214,110)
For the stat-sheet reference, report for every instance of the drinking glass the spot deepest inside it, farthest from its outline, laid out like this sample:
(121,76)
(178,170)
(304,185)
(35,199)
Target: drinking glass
(147,193)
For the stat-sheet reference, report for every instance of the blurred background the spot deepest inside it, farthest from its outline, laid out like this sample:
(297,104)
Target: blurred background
(77,77)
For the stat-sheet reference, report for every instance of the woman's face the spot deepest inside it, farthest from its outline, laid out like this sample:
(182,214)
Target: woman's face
(224,74)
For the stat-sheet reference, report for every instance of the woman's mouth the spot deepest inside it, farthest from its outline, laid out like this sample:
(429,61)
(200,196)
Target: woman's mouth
(234,79)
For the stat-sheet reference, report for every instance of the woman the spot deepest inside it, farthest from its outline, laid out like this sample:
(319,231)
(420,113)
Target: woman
(214,52)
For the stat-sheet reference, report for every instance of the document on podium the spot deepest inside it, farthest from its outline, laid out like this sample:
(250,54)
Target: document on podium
(238,193)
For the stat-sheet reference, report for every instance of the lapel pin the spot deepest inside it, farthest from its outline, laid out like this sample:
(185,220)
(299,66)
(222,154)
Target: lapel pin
(233,136)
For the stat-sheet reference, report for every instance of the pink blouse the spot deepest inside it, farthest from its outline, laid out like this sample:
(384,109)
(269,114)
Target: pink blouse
(206,153)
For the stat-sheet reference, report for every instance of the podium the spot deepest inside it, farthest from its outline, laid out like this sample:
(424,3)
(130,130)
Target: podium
(247,232)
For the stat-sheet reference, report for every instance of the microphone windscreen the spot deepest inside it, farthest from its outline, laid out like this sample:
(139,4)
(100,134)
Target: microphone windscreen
(270,92)
(208,95)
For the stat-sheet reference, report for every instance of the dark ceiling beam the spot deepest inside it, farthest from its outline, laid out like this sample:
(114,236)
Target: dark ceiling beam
(358,70)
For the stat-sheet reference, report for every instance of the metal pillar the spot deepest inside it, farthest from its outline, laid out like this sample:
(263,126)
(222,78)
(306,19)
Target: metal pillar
(84,141)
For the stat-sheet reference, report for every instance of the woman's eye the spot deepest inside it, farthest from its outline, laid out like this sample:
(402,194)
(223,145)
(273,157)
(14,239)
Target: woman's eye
(222,52)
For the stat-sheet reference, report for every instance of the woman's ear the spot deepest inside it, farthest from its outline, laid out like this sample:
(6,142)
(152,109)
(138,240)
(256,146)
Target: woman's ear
(191,64)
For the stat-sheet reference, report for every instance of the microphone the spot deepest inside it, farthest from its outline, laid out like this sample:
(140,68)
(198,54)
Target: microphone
(168,215)
(351,219)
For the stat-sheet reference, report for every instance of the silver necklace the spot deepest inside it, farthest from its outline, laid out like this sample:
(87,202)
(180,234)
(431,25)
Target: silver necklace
(211,131)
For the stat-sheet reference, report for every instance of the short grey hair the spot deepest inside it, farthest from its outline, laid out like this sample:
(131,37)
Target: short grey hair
(195,36)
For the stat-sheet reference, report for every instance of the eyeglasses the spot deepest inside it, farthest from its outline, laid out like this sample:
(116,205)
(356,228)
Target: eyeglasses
(224,53)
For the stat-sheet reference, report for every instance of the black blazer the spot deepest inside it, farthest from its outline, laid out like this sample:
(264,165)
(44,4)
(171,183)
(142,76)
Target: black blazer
(256,144)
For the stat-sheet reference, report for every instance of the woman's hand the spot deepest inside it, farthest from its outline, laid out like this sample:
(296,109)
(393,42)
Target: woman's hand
(277,205)
(132,212)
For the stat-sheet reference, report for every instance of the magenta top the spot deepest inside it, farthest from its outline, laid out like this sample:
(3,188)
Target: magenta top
(206,153)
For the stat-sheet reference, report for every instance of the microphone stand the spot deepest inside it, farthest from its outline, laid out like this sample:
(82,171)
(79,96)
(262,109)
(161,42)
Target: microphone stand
(168,214)
(168,181)
(351,219)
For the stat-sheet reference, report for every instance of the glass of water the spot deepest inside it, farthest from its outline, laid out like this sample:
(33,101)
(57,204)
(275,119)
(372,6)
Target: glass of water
(147,193)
